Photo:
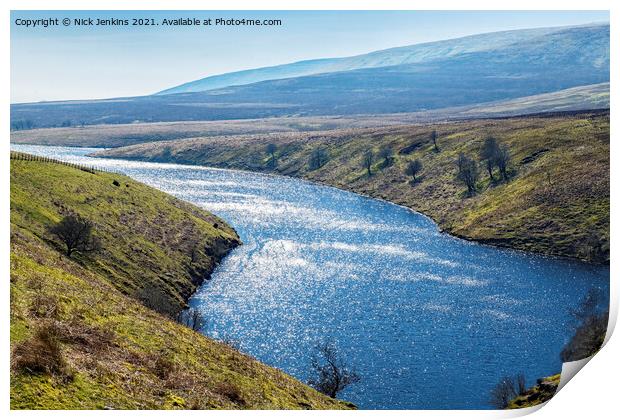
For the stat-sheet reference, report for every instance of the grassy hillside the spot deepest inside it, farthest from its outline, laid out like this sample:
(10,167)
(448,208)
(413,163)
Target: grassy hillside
(79,341)
(154,247)
(556,201)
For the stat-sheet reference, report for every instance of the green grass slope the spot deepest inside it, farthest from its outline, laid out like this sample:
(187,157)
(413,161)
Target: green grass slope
(154,246)
(79,341)
(556,201)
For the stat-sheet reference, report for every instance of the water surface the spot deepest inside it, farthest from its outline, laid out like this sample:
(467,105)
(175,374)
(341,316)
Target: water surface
(427,320)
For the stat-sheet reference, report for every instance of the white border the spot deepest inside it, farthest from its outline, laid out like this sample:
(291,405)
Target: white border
(591,396)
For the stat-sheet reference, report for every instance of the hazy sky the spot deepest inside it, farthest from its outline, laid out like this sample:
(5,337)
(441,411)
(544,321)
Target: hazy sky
(101,62)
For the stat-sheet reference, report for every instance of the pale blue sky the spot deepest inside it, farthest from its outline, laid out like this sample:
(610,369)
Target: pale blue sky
(101,62)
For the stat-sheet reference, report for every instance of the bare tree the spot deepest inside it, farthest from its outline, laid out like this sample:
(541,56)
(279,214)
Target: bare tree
(331,373)
(507,389)
(488,154)
(502,158)
(318,158)
(386,154)
(434,139)
(271,150)
(76,233)
(468,172)
(367,160)
(413,168)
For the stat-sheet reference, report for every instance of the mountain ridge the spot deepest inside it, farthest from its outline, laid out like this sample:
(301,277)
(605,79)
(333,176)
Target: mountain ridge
(409,54)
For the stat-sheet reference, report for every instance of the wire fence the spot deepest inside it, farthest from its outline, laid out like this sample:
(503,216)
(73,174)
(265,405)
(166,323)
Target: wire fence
(35,158)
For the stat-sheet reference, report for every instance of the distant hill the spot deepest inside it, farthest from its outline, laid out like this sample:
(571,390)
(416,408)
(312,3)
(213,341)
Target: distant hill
(114,135)
(410,54)
(451,77)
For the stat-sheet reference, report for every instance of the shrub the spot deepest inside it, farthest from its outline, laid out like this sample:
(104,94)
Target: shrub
(42,353)
(44,306)
(92,339)
(163,366)
(231,392)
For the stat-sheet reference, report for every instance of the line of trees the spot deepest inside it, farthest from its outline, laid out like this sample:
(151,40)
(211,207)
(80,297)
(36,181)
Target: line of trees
(493,156)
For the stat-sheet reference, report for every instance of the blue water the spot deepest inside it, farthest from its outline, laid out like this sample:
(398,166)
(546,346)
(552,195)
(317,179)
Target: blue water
(427,320)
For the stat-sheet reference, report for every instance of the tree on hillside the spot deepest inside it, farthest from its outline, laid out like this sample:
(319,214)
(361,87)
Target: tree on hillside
(331,374)
(488,154)
(386,153)
(434,139)
(413,168)
(367,160)
(502,158)
(318,158)
(271,151)
(76,233)
(467,172)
